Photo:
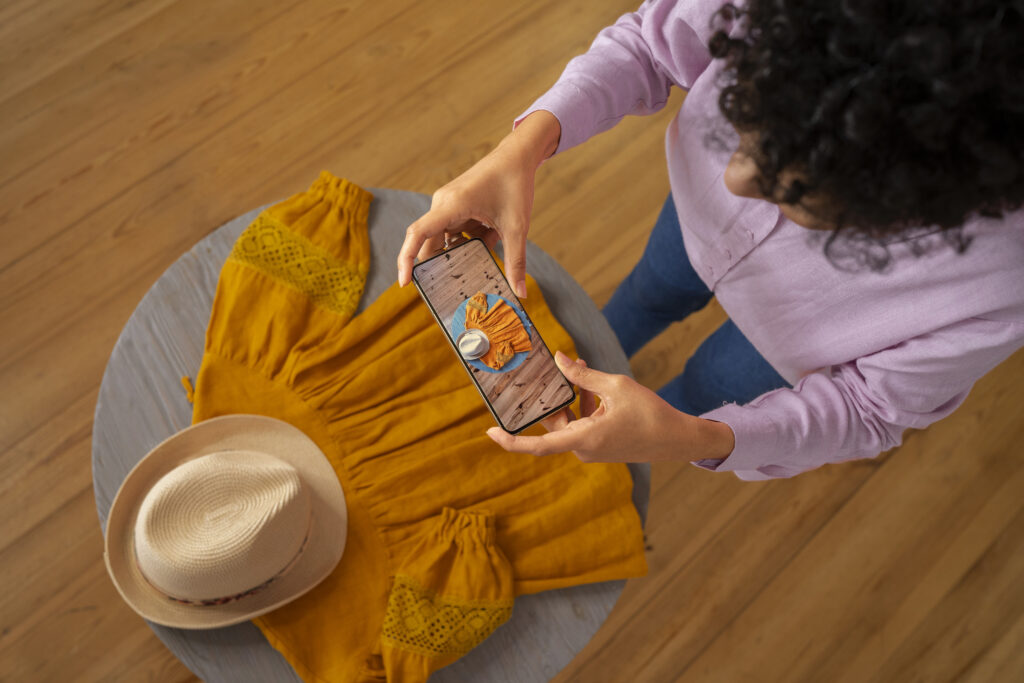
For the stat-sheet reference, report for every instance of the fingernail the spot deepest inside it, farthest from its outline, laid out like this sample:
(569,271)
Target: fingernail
(562,359)
(492,432)
(521,289)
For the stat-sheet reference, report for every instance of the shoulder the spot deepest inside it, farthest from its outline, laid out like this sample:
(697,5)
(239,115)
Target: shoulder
(995,254)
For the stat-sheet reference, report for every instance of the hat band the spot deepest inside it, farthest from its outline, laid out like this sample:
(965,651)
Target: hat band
(211,602)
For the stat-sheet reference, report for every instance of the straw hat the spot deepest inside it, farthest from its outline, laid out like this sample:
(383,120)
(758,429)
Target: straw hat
(224,521)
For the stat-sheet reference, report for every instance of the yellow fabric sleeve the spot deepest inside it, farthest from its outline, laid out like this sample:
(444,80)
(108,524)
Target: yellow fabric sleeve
(452,592)
(294,277)
(316,242)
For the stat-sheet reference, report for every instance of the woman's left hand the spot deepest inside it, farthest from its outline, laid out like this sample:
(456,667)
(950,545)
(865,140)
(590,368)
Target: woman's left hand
(631,424)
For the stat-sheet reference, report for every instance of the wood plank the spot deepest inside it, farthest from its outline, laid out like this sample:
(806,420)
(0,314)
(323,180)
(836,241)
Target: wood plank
(42,37)
(40,473)
(932,584)
(889,539)
(984,604)
(1003,660)
(133,129)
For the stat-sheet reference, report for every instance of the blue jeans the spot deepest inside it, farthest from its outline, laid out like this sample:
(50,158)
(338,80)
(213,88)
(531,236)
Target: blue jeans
(662,289)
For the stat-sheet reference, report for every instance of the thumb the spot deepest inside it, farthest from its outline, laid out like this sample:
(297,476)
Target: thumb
(515,260)
(582,376)
(427,227)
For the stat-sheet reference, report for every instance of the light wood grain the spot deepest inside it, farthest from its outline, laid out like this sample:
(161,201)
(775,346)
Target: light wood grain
(132,130)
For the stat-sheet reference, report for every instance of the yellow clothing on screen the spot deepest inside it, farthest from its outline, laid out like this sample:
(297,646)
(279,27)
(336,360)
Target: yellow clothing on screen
(445,528)
(502,326)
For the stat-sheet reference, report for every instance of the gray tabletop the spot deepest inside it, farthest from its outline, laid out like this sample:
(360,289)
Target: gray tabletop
(141,402)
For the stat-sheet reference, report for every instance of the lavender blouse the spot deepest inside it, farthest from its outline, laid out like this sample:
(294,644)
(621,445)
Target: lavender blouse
(869,353)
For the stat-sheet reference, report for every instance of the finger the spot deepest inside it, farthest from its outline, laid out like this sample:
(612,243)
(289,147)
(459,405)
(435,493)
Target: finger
(430,225)
(472,228)
(463,232)
(559,420)
(515,259)
(488,235)
(588,403)
(491,238)
(431,247)
(561,441)
(554,422)
(583,376)
(588,400)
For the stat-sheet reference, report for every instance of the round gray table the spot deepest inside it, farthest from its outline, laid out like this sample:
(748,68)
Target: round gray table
(141,402)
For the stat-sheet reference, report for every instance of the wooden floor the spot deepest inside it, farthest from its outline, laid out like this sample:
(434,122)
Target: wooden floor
(131,129)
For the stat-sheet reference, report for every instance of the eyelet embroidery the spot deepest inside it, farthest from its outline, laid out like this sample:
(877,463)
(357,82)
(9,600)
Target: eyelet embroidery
(270,247)
(421,621)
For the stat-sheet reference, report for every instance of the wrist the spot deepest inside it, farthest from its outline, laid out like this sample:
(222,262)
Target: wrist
(536,137)
(716,438)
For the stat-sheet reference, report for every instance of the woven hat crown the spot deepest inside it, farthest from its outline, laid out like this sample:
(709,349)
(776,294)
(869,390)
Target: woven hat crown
(221,524)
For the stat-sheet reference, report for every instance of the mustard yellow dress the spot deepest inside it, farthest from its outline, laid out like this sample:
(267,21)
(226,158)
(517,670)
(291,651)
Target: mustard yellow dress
(502,326)
(445,528)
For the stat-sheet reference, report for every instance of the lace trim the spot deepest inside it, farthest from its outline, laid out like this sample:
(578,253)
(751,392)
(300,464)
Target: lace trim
(421,621)
(270,247)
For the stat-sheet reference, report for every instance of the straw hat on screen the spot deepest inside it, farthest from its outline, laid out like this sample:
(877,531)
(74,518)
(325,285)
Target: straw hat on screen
(224,521)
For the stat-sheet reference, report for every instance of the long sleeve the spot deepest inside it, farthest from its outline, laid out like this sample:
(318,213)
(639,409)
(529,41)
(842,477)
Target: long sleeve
(861,408)
(630,68)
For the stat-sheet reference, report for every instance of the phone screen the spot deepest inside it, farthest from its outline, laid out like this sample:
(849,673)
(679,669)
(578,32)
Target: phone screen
(492,335)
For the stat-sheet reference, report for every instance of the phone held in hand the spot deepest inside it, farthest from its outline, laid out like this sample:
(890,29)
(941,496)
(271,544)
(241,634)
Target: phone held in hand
(492,335)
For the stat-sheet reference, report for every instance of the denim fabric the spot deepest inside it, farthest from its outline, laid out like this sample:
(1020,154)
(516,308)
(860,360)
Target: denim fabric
(662,289)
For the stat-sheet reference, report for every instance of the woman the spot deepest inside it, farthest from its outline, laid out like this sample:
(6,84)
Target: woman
(863,236)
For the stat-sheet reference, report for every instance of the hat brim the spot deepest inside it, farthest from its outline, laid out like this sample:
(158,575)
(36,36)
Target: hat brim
(230,432)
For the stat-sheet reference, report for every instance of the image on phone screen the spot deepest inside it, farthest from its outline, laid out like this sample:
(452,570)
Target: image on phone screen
(492,335)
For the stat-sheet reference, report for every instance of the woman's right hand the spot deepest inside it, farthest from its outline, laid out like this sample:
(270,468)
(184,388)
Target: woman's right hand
(492,200)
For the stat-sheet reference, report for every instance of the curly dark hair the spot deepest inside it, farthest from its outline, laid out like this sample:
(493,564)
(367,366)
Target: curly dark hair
(897,113)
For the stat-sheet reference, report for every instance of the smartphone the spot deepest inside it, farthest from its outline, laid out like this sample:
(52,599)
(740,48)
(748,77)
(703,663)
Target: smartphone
(492,335)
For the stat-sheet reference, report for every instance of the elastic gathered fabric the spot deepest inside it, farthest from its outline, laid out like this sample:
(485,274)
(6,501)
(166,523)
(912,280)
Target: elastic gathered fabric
(445,528)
